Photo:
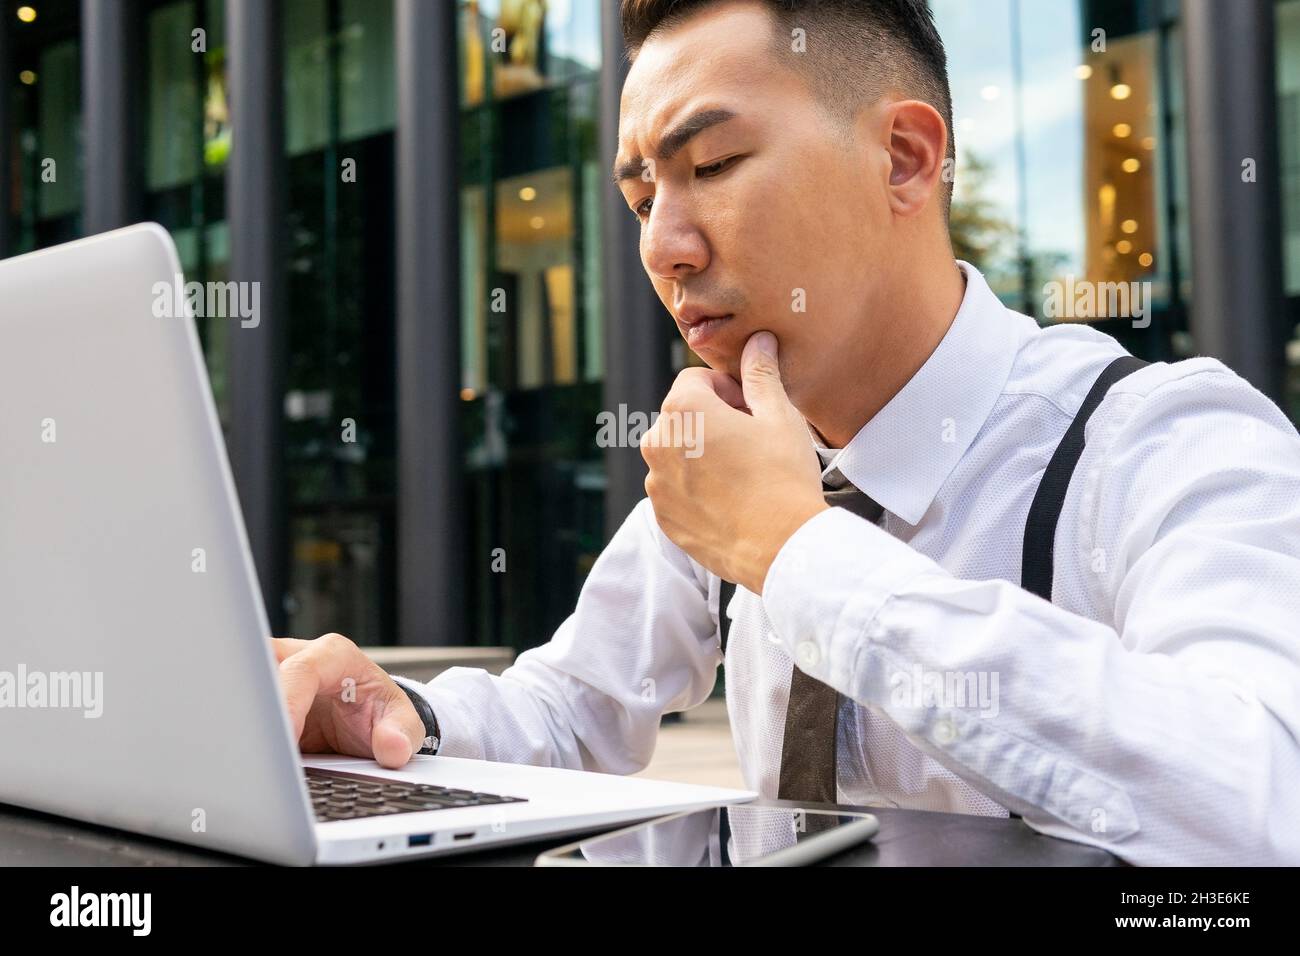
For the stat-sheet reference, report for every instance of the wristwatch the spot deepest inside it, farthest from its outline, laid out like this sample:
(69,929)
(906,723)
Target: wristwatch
(432,735)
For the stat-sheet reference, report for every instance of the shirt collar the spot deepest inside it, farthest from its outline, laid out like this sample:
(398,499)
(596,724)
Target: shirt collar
(902,457)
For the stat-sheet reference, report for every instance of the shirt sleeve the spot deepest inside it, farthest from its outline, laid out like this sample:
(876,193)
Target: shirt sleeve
(641,643)
(1167,738)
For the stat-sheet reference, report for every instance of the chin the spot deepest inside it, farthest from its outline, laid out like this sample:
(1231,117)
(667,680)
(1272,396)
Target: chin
(721,362)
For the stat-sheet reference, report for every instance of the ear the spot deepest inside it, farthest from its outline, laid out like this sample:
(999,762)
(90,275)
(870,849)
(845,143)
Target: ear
(918,143)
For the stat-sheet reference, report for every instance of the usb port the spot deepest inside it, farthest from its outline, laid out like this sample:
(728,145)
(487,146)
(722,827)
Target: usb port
(464,836)
(419,839)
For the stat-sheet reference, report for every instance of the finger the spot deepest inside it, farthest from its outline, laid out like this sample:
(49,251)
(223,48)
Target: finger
(397,733)
(703,393)
(319,667)
(760,376)
(287,647)
(722,384)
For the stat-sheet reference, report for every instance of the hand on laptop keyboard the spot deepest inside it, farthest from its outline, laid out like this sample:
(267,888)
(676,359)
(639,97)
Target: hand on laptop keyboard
(340,701)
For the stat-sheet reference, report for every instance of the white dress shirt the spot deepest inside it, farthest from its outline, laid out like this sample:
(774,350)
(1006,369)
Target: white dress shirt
(1153,709)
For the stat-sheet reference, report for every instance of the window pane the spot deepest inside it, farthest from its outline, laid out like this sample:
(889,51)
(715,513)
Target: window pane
(1288,96)
(534,262)
(367,80)
(171,157)
(1065,186)
(1121,109)
(513,47)
(339,403)
(306,119)
(59,130)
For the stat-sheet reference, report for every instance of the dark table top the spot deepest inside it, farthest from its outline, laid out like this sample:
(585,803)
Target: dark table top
(906,838)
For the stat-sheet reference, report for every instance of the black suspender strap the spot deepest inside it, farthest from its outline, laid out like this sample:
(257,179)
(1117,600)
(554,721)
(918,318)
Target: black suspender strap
(1040,527)
(725,594)
(1038,558)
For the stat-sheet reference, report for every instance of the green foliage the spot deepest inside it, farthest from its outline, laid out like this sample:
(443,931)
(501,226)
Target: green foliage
(979,234)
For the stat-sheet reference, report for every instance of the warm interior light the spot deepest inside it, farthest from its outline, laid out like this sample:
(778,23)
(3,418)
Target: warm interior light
(1121,91)
(1131,165)
(1146,259)
(1122,130)
(537,222)
(1148,142)
(1106,205)
(528,194)
(1129,226)
(27,77)
(1083,71)
(467,394)
(27,14)
(1124,247)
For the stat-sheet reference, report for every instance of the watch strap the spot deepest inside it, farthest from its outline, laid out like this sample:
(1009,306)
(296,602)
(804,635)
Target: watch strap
(432,733)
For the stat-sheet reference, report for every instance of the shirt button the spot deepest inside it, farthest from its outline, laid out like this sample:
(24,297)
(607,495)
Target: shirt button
(945,732)
(809,654)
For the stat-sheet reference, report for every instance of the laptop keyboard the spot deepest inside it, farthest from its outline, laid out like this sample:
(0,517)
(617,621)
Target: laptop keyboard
(350,796)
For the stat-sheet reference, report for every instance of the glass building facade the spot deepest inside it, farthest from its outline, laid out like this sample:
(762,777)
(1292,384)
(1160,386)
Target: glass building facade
(1070,118)
(531,323)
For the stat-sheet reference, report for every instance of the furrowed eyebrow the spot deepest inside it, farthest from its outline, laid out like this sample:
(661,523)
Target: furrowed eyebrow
(674,141)
(629,170)
(689,128)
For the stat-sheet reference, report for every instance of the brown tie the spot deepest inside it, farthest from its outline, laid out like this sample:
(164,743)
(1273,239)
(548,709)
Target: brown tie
(808,751)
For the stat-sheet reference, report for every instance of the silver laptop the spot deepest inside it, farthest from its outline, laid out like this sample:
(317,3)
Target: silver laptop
(137,684)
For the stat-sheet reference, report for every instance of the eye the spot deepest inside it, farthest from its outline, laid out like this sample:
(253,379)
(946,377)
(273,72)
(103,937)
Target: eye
(642,209)
(713,169)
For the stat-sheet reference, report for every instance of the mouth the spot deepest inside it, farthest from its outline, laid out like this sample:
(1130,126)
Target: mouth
(700,329)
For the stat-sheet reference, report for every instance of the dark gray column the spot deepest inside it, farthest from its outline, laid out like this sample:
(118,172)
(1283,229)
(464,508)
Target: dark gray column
(108,65)
(7,71)
(254,215)
(430,502)
(638,365)
(1237,296)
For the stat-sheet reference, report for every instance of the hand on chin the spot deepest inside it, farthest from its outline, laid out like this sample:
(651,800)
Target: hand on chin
(751,478)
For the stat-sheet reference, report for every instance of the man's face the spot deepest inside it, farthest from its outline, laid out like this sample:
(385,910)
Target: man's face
(758,210)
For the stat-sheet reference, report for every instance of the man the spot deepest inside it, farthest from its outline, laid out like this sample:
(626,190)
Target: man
(787,162)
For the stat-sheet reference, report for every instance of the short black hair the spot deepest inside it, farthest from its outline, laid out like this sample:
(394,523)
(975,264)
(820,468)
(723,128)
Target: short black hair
(863,48)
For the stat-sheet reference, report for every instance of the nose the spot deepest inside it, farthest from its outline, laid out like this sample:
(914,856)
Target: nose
(672,245)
